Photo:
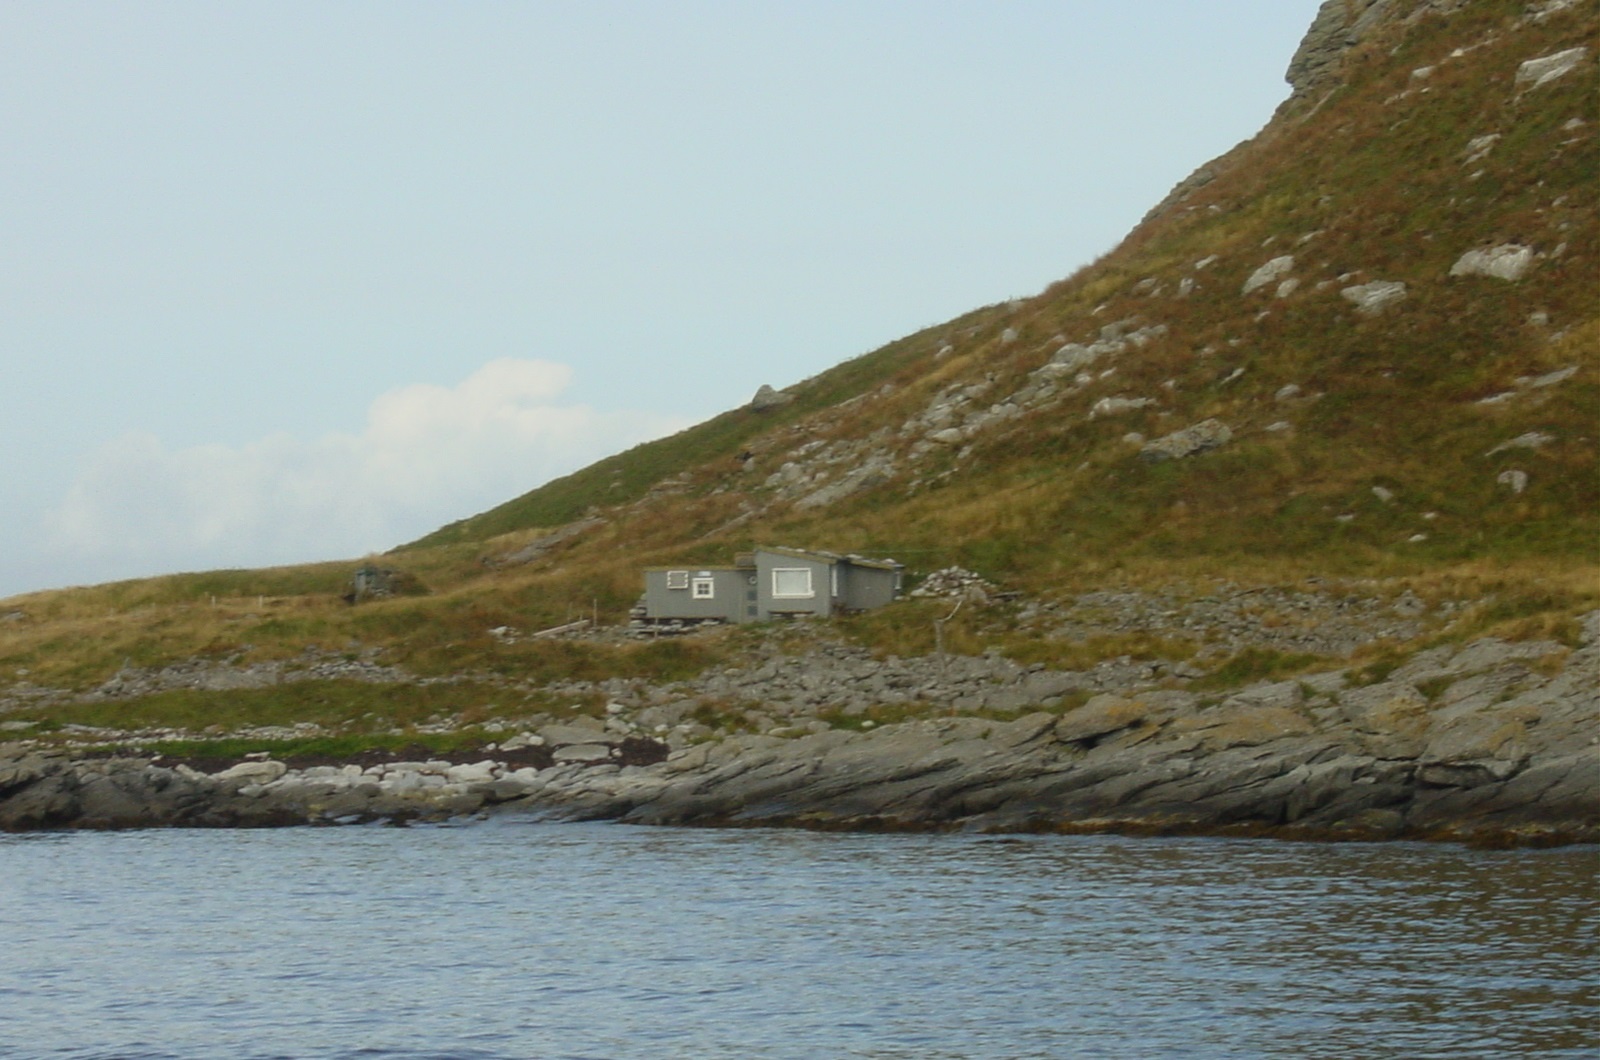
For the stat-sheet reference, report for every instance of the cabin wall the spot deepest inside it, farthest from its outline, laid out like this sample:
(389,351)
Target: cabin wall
(775,571)
(867,587)
(727,600)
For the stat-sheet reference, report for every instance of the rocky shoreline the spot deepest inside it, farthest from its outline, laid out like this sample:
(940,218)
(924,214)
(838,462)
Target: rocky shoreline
(1488,742)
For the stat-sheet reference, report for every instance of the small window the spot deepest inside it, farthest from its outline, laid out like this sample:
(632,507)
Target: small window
(704,588)
(792,583)
(677,579)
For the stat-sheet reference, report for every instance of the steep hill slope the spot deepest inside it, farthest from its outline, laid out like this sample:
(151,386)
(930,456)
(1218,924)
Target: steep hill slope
(1392,286)
(1361,346)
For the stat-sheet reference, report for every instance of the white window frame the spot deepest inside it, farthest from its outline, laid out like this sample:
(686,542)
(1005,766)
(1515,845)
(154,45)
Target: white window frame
(677,579)
(703,588)
(778,594)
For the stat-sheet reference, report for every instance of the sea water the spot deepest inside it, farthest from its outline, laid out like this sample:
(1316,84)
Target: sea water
(512,938)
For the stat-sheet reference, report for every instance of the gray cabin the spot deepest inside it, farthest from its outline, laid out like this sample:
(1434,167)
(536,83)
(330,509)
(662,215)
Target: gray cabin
(770,583)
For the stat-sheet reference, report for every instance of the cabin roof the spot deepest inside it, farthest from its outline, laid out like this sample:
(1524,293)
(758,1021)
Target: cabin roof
(816,555)
(833,557)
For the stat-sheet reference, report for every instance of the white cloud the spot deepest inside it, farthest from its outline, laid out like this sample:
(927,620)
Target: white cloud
(426,456)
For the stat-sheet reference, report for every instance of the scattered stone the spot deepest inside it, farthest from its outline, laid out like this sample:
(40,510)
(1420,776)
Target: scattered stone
(1287,392)
(1384,494)
(258,772)
(1546,69)
(1530,440)
(1514,480)
(1508,261)
(1535,382)
(1271,272)
(1190,441)
(1373,298)
(953,582)
(1540,10)
(1478,147)
(1111,406)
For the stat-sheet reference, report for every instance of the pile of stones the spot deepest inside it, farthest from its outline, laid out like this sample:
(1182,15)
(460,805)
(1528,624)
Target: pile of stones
(954,582)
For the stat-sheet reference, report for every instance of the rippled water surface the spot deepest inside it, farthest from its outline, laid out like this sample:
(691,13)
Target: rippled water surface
(515,939)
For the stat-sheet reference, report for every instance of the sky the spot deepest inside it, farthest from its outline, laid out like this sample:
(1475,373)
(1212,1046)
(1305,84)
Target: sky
(293,281)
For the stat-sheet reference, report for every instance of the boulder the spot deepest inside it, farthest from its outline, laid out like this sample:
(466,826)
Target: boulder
(578,730)
(1530,440)
(767,398)
(254,772)
(583,752)
(1271,272)
(1102,715)
(1198,438)
(1373,298)
(1479,146)
(1111,406)
(1508,261)
(1513,479)
(1536,73)
(1536,382)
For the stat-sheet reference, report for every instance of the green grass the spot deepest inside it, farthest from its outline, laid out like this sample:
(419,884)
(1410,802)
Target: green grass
(360,706)
(319,748)
(1251,665)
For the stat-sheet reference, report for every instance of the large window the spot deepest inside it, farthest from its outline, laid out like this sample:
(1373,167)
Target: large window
(792,583)
(704,588)
(677,579)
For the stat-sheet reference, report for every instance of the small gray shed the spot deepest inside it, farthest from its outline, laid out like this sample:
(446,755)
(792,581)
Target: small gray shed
(771,583)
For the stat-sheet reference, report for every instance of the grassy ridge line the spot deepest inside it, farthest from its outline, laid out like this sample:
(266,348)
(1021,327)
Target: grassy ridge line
(628,476)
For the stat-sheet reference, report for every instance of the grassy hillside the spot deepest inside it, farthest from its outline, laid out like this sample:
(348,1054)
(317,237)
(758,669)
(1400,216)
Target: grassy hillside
(1445,442)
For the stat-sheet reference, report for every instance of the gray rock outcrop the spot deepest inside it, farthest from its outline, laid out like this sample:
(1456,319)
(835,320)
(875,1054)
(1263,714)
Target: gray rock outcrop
(1373,298)
(1536,73)
(1190,441)
(1509,261)
(1339,26)
(1271,272)
(766,398)
(1489,741)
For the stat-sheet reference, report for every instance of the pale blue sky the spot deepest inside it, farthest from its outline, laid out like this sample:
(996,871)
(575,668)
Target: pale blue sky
(256,257)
